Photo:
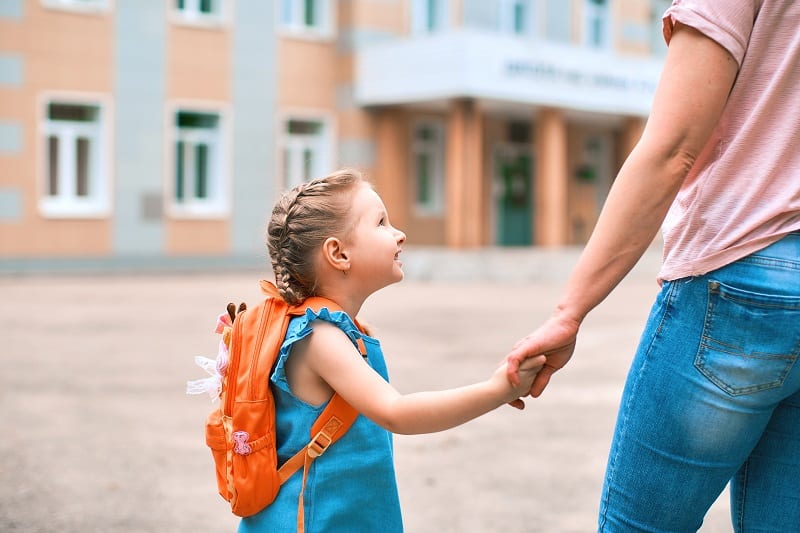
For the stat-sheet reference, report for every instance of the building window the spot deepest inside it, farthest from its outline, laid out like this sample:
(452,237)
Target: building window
(199,186)
(88,6)
(307,17)
(597,23)
(75,173)
(305,151)
(427,148)
(199,11)
(428,16)
(515,16)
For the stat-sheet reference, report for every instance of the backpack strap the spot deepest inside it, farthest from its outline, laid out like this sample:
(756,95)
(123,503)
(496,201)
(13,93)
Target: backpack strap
(334,421)
(330,426)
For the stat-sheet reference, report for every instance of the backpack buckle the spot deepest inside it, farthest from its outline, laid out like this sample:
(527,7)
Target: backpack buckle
(319,444)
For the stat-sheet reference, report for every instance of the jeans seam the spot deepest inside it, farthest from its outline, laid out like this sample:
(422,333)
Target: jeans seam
(738,517)
(624,422)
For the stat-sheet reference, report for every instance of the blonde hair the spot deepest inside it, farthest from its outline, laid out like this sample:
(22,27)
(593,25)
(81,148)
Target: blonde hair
(301,221)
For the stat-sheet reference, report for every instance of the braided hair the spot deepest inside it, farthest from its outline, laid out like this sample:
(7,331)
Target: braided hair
(301,221)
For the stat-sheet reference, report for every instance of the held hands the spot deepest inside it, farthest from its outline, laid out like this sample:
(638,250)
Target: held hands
(555,339)
(526,373)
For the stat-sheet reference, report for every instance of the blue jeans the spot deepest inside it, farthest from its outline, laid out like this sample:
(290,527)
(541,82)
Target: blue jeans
(713,395)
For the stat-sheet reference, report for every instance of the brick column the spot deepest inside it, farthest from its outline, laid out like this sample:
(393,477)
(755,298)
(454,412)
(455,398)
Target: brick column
(391,166)
(465,208)
(551,192)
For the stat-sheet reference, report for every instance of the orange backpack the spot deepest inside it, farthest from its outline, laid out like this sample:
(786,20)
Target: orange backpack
(241,431)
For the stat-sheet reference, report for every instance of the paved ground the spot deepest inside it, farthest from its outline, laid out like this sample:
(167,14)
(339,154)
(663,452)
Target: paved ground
(98,436)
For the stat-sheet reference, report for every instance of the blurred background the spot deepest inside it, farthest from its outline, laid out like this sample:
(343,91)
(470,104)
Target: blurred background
(146,133)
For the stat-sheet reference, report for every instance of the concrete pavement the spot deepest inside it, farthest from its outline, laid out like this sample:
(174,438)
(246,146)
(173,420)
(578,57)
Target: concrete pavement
(98,435)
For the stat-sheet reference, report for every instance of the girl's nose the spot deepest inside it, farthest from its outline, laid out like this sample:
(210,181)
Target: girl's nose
(401,237)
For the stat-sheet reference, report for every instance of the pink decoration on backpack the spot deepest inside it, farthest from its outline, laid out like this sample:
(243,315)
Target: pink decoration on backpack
(216,368)
(223,321)
(240,445)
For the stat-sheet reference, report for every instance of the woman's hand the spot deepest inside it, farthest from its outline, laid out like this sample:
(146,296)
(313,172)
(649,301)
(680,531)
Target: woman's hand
(555,340)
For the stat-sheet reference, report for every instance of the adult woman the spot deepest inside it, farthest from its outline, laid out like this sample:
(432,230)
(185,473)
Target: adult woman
(713,391)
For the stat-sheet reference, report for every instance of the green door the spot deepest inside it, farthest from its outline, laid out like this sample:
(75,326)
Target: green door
(514,198)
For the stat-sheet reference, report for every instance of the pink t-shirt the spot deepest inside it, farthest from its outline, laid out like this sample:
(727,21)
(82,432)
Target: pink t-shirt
(743,192)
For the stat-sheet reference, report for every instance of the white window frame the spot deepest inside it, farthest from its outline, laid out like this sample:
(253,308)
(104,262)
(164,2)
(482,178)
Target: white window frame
(79,6)
(291,16)
(191,15)
(422,24)
(436,151)
(67,203)
(508,19)
(217,202)
(295,145)
(595,13)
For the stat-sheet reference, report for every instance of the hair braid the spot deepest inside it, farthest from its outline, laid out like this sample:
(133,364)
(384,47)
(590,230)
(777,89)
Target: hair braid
(301,221)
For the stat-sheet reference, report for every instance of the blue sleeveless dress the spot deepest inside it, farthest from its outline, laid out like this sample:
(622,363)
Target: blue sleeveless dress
(351,488)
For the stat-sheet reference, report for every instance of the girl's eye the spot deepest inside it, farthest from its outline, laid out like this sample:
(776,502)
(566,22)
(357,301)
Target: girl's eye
(382,222)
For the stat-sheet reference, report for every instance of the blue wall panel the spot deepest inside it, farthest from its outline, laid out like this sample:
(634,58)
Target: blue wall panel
(139,129)
(254,106)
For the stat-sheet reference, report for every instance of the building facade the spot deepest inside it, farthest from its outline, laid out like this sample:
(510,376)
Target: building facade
(158,130)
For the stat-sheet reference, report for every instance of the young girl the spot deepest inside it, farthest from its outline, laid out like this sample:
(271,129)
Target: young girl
(332,237)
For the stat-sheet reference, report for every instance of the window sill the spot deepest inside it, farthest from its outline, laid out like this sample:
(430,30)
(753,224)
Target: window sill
(98,8)
(306,34)
(211,22)
(73,210)
(197,212)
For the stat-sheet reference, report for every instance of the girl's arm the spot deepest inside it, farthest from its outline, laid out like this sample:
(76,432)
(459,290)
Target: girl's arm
(330,355)
(696,80)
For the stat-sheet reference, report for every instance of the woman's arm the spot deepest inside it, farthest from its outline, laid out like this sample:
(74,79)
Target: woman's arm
(330,355)
(695,83)
(696,80)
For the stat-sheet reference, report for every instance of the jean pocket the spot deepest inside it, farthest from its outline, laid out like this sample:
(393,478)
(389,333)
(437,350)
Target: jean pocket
(750,341)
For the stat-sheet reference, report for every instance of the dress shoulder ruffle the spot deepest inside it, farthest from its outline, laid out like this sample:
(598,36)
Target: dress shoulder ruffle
(300,328)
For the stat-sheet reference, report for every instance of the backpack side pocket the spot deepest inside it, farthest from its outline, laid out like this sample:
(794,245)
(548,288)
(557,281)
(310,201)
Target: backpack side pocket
(215,439)
(254,458)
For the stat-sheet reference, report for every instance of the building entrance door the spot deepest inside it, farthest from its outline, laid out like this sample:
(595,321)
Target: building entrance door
(513,195)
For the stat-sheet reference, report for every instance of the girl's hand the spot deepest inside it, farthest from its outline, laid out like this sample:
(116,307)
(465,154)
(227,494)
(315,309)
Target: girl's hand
(526,373)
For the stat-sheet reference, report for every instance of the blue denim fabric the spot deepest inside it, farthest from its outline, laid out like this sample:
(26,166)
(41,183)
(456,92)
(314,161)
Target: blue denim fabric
(713,395)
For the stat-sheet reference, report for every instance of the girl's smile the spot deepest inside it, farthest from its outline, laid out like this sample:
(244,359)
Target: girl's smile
(373,240)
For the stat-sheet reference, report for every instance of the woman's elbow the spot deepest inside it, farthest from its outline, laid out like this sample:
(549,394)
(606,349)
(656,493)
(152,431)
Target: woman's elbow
(682,161)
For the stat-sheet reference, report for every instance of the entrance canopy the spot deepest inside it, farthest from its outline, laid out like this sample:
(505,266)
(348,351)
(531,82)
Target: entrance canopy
(466,63)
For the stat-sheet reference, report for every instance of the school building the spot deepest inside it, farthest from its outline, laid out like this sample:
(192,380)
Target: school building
(160,130)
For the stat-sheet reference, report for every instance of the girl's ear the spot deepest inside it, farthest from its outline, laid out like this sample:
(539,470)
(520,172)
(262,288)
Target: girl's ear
(334,253)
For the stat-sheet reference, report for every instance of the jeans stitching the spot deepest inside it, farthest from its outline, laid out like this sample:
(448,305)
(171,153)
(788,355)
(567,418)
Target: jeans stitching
(767,305)
(623,426)
(771,262)
(708,371)
(737,513)
(709,343)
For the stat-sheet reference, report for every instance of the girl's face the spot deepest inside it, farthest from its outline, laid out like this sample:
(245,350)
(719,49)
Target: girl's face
(373,243)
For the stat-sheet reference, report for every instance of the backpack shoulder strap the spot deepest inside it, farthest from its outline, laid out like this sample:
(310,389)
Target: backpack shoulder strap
(335,419)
